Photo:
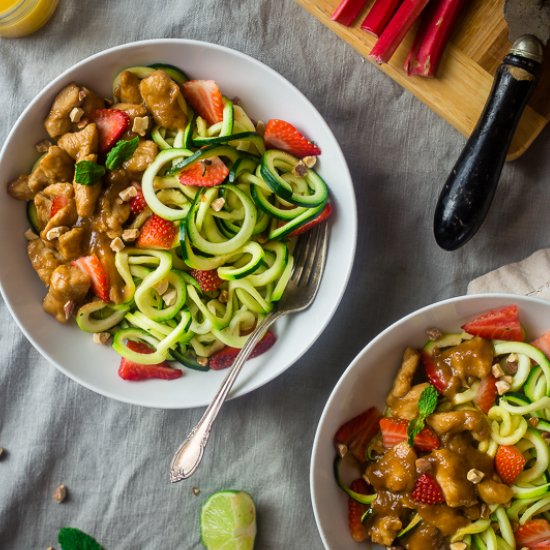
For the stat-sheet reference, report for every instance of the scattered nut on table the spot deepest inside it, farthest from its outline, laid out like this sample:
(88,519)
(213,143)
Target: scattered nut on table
(60,494)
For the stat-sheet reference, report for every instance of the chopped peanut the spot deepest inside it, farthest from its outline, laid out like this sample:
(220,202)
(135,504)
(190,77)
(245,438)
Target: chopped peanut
(128,193)
(76,114)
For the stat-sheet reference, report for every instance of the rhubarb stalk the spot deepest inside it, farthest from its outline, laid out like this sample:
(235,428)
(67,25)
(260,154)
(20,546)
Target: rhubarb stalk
(347,11)
(433,34)
(379,15)
(396,29)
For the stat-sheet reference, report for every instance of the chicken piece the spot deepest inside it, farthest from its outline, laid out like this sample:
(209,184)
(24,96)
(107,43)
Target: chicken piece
(143,156)
(43,206)
(494,492)
(424,536)
(102,247)
(384,529)
(450,471)
(65,216)
(44,259)
(80,144)
(58,121)
(19,189)
(55,166)
(403,380)
(447,520)
(460,421)
(86,195)
(127,90)
(113,213)
(68,288)
(395,471)
(90,102)
(164,99)
(71,245)
(407,406)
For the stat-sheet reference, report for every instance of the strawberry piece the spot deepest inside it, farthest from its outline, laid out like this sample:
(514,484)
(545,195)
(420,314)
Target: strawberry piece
(58,202)
(157,233)
(394,431)
(501,323)
(280,134)
(205,98)
(111,124)
(207,279)
(323,215)
(94,268)
(356,510)
(427,490)
(433,374)
(543,343)
(509,463)
(487,393)
(138,203)
(204,173)
(358,432)
(129,370)
(534,534)
(226,356)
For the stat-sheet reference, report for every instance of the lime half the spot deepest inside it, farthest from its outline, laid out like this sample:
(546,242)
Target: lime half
(228,521)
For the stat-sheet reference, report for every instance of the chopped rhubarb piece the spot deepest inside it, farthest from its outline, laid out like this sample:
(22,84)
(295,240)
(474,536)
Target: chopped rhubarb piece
(347,11)
(379,16)
(396,29)
(437,23)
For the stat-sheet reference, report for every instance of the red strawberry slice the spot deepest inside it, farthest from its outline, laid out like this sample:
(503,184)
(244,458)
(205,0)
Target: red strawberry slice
(501,323)
(111,124)
(280,134)
(157,233)
(486,394)
(207,279)
(129,370)
(433,374)
(137,203)
(58,202)
(94,268)
(324,214)
(356,510)
(509,463)
(205,98)
(543,343)
(204,173)
(358,432)
(427,490)
(534,534)
(394,431)
(226,356)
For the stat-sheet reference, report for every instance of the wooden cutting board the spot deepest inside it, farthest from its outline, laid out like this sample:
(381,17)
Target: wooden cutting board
(478,44)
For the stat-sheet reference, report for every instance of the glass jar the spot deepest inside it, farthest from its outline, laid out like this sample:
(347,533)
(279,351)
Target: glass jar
(23,17)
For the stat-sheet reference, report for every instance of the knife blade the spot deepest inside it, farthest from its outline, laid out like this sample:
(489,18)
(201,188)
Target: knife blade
(469,190)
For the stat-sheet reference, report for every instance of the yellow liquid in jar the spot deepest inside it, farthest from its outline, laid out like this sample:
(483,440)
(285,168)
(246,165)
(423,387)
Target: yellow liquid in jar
(23,17)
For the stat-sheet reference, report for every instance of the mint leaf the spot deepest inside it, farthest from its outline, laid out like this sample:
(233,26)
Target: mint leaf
(74,539)
(426,406)
(121,152)
(88,172)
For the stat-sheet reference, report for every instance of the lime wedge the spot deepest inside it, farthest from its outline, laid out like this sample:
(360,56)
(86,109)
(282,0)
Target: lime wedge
(228,521)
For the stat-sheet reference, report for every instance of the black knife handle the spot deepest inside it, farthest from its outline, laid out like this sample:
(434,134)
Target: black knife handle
(471,186)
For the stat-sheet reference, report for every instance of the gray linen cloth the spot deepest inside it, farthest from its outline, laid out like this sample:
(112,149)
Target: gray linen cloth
(114,458)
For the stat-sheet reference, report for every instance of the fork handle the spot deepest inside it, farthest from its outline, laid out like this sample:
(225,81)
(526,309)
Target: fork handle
(190,452)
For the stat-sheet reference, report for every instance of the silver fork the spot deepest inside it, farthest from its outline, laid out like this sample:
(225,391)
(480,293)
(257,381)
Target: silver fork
(309,263)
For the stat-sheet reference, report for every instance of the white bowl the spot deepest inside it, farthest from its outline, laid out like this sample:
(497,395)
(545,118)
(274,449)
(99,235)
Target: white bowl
(265,94)
(367,381)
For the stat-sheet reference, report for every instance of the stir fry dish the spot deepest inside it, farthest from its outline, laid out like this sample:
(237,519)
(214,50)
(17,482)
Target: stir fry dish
(459,458)
(163,220)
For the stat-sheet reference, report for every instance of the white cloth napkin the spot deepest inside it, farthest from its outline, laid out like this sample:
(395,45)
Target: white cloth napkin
(530,277)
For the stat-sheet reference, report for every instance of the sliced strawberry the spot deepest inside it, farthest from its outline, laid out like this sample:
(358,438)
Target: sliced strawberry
(509,463)
(501,323)
(111,124)
(394,431)
(323,215)
(280,134)
(356,510)
(543,343)
(205,98)
(358,432)
(427,490)
(58,202)
(533,534)
(487,393)
(207,279)
(433,374)
(204,173)
(137,203)
(157,233)
(226,356)
(94,268)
